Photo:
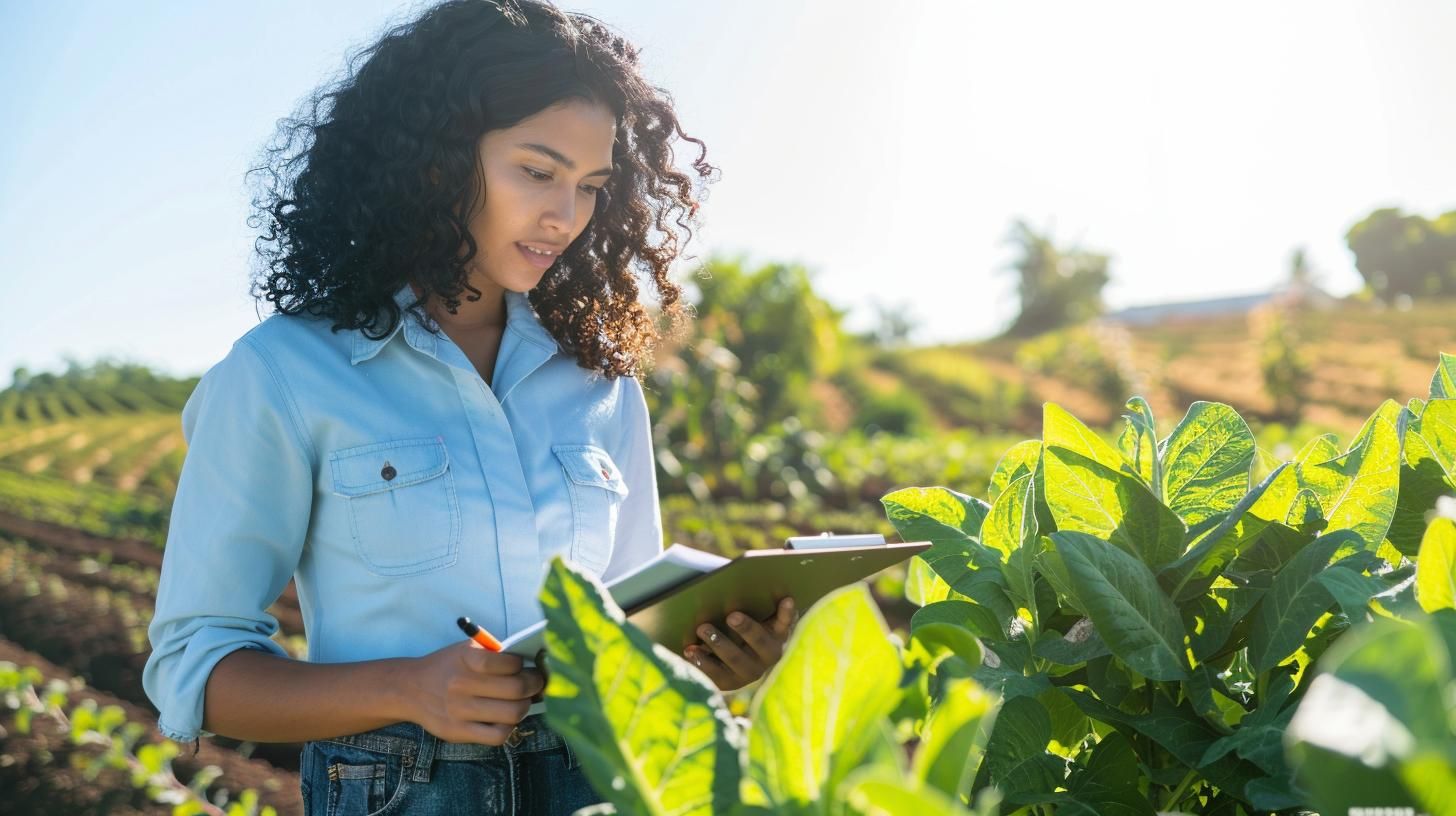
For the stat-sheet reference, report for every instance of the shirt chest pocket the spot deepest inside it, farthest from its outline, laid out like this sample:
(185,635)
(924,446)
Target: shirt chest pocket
(597,490)
(403,511)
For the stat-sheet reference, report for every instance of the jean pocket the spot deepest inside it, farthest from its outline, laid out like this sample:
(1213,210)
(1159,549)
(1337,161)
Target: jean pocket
(403,510)
(357,790)
(352,781)
(597,490)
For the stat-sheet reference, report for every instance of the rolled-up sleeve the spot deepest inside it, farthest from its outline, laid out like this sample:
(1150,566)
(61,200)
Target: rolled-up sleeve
(238,525)
(639,523)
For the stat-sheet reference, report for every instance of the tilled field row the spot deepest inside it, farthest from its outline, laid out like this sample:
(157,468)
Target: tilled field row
(93,631)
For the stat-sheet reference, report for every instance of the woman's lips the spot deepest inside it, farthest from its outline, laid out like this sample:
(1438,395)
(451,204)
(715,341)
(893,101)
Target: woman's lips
(538,261)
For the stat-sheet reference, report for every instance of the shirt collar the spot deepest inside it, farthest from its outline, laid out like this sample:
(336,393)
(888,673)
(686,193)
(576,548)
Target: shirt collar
(520,316)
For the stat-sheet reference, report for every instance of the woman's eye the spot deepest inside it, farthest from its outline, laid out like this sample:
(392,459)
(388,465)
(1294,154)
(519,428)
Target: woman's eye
(539,176)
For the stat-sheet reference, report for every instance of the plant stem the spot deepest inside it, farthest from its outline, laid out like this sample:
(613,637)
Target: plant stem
(1182,788)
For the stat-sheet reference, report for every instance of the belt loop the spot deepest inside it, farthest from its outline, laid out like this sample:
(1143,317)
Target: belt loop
(425,757)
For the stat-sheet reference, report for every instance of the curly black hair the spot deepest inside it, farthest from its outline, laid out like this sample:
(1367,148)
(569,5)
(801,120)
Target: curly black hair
(356,211)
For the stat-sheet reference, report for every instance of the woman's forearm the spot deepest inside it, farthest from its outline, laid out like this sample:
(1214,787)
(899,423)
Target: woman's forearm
(253,695)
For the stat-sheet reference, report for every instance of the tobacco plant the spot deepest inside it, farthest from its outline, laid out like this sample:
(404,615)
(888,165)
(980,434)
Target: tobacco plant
(1146,625)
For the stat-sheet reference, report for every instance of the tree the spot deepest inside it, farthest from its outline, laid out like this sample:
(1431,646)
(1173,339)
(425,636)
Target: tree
(785,335)
(760,339)
(1406,255)
(1300,274)
(1056,287)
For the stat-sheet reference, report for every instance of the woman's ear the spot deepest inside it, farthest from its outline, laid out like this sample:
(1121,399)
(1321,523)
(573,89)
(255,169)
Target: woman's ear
(434,175)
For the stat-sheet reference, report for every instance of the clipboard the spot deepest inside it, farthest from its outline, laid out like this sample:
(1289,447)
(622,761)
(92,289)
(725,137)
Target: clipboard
(807,569)
(755,581)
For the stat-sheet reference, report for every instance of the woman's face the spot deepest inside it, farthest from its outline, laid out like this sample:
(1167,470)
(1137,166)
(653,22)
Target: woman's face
(542,179)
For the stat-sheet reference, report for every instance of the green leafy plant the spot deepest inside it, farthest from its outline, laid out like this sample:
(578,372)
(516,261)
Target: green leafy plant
(1175,600)
(106,741)
(1125,626)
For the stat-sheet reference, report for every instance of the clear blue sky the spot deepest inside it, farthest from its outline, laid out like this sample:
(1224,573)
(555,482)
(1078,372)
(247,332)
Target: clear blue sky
(888,146)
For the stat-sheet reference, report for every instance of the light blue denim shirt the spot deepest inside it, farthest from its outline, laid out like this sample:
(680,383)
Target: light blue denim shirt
(396,488)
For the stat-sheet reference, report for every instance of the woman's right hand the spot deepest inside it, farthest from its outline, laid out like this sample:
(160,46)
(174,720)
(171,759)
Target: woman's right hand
(466,693)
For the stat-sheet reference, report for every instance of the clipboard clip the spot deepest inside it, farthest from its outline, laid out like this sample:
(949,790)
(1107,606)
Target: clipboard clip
(824,540)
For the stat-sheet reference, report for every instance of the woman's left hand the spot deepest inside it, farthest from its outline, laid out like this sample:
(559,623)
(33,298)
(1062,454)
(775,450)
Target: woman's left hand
(731,665)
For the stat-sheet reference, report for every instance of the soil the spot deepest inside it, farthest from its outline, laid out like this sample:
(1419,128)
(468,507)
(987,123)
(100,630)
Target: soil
(130,551)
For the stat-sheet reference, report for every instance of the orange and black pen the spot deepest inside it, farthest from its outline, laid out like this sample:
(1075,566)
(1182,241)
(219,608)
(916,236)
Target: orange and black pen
(478,635)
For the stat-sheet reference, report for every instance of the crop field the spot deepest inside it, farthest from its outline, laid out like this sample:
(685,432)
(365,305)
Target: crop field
(1355,355)
(1157,605)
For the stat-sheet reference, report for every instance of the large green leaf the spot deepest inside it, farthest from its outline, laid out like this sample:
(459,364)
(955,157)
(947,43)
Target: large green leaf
(1110,784)
(817,713)
(1110,678)
(879,791)
(942,640)
(1320,449)
(951,522)
(1259,736)
(652,733)
(1423,479)
(1436,567)
(1358,489)
(1305,513)
(1015,463)
(1263,465)
(1054,570)
(1353,590)
(1138,444)
(963,564)
(1443,382)
(1088,497)
(1016,759)
(1011,531)
(1376,722)
(1008,682)
(1080,644)
(1431,778)
(1259,743)
(922,585)
(1212,617)
(934,513)
(1191,575)
(1138,622)
(1179,731)
(1390,411)
(979,619)
(1437,428)
(947,756)
(1276,547)
(1297,599)
(1206,462)
(1070,727)
(1065,431)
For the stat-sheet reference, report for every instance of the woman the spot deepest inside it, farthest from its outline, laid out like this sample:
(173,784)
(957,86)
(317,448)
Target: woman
(408,455)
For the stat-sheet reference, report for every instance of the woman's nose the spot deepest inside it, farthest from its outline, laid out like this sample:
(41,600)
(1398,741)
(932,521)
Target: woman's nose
(560,213)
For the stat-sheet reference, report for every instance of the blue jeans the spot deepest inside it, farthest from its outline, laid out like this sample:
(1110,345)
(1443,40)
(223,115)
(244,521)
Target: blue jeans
(402,768)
